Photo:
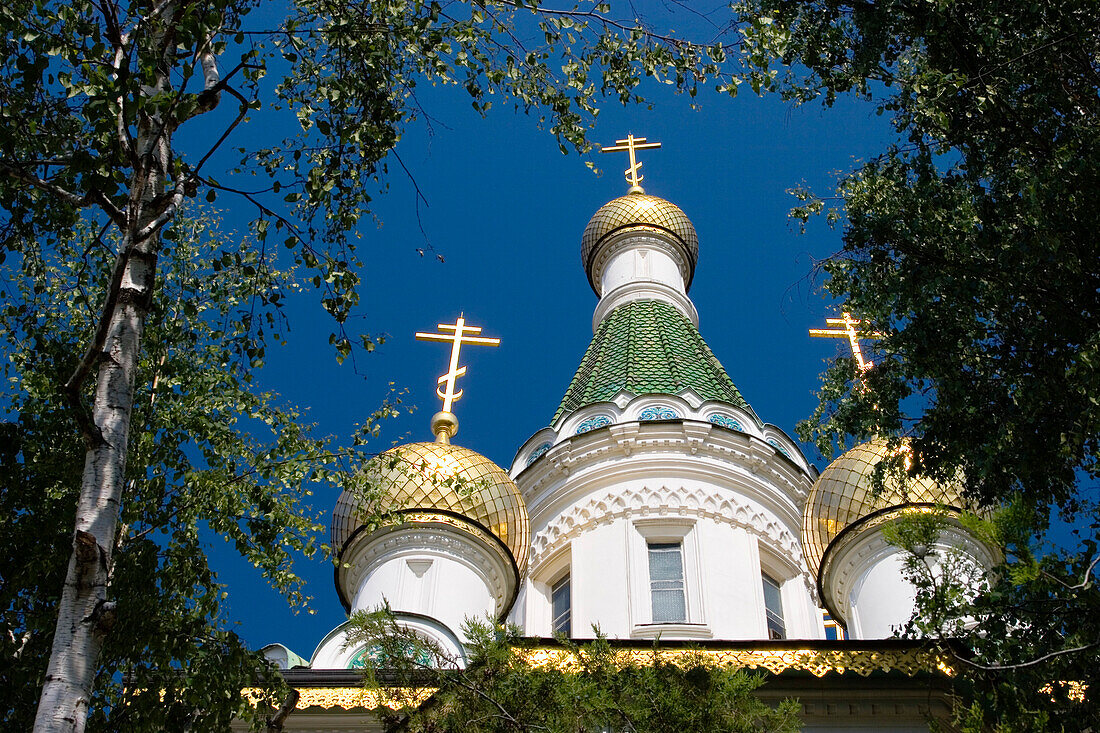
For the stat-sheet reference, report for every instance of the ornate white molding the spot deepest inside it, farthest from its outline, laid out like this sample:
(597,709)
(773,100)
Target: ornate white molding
(644,290)
(414,539)
(690,437)
(641,237)
(663,501)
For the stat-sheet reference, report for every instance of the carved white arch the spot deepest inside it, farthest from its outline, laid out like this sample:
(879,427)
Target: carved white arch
(664,501)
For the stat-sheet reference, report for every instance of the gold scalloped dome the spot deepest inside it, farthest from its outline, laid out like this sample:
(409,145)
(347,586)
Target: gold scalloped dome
(639,211)
(441,477)
(843,496)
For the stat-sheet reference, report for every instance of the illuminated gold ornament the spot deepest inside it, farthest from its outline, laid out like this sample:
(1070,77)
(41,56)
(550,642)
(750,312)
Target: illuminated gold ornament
(445,423)
(632,144)
(850,332)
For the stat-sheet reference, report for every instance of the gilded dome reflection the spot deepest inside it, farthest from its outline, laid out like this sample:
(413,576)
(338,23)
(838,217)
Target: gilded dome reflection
(438,476)
(639,210)
(844,494)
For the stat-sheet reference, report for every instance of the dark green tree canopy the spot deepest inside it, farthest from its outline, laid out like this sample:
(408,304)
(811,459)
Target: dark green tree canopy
(971,242)
(971,245)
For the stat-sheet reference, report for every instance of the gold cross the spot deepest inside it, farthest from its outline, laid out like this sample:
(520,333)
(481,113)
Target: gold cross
(631,144)
(457,337)
(851,333)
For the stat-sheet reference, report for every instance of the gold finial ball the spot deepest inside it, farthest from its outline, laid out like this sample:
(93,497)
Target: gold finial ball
(639,212)
(444,426)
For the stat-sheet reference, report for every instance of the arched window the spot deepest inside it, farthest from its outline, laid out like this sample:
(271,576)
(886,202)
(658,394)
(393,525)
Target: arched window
(537,453)
(726,421)
(779,447)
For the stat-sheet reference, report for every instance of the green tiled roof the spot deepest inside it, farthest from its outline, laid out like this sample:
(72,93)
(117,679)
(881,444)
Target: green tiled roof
(647,347)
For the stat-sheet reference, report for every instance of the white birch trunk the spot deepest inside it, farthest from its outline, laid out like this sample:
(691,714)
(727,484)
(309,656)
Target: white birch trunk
(85,613)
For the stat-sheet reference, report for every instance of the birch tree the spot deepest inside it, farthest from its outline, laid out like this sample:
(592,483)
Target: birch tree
(213,455)
(93,96)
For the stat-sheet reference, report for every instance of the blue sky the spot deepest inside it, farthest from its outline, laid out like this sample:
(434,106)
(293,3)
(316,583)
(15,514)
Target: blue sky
(505,210)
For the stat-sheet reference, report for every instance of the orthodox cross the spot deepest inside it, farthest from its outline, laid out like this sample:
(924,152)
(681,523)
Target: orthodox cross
(457,337)
(850,332)
(632,144)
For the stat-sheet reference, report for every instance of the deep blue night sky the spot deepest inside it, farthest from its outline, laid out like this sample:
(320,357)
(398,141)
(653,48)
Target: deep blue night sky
(505,209)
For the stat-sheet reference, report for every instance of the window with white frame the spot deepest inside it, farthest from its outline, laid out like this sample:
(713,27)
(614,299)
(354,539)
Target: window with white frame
(561,622)
(666,582)
(666,579)
(773,607)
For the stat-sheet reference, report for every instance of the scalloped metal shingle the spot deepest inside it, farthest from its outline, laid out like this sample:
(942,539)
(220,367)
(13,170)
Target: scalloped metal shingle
(648,347)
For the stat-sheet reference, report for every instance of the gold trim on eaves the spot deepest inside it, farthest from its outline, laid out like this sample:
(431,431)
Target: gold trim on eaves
(348,698)
(817,662)
(862,662)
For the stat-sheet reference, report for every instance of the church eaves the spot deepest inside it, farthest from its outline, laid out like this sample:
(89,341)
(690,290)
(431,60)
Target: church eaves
(648,347)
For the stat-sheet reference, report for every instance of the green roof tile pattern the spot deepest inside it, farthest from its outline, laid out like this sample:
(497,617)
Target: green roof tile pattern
(648,347)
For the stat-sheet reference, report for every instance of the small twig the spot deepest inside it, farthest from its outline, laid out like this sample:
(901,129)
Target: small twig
(1088,574)
(1024,665)
(242,112)
(94,197)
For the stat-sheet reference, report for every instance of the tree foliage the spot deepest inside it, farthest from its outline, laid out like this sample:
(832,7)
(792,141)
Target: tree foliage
(1030,627)
(499,690)
(971,245)
(214,456)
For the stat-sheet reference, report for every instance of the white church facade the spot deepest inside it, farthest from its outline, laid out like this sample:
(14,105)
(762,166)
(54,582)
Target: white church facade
(656,505)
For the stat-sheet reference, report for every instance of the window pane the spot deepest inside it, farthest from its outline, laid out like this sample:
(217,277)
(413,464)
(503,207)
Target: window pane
(665,563)
(773,608)
(666,583)
(668,606)
(559,600)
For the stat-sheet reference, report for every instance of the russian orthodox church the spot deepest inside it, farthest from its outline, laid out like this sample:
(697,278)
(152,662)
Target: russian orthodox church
(656,505)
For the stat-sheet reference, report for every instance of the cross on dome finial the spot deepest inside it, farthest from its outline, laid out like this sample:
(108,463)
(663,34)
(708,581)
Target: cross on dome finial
(632,144)
(851,333)
(445,423)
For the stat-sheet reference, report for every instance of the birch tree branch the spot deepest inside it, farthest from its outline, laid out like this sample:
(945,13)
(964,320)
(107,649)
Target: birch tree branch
(1029,663)
(93,198)
(275,722)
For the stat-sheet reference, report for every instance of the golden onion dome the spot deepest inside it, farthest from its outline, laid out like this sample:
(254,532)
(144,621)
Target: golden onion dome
(639,211)
(421,478)
(843,496)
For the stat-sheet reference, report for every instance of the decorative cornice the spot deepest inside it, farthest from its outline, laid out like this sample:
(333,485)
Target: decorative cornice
(644,290)
(819,659)
(818,662)
(688,437)
(350,698)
